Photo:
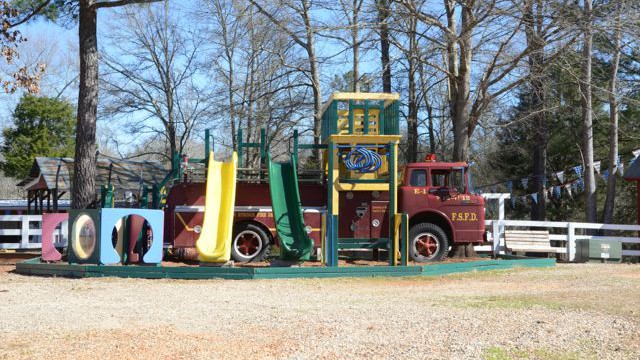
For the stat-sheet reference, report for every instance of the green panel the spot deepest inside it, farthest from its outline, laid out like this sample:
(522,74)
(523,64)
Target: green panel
(366,117)
(35,267)
(598,250)
(354,243)
(381,116)
(351,116)
(295,243)
(392,201)
(404,239)
(74,215)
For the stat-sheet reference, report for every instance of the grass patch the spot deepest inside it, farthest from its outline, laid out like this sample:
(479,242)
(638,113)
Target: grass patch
(518,302)
(498,353)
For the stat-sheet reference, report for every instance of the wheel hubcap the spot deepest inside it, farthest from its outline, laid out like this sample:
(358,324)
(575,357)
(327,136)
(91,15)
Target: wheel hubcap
(426,245)
(247,244)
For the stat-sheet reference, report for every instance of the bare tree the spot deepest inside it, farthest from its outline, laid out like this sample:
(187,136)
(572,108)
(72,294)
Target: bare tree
(258,74)
(534,24)
(352,12)
(616,43)
(226,34)
(293,17)
(405,38)
(384,13)
(153,78)
(484,34)
(587,111)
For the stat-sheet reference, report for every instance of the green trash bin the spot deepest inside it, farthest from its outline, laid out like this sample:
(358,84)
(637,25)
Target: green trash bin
(604,251)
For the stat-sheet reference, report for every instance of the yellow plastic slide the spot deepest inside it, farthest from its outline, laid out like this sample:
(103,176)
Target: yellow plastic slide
(214,243)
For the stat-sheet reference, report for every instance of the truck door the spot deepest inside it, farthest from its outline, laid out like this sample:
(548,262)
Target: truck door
(453,199)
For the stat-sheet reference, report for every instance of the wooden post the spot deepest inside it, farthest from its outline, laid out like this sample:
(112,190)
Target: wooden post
(495,227)
(571,242)
(24,232)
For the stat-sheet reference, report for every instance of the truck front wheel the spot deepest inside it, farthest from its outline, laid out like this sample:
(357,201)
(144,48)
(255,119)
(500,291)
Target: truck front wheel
(250,243)
(428,243)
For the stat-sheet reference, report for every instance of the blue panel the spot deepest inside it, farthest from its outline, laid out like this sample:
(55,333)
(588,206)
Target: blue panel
(110,216)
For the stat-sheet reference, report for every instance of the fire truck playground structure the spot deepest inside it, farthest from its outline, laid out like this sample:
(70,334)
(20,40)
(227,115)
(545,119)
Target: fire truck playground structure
(239,213)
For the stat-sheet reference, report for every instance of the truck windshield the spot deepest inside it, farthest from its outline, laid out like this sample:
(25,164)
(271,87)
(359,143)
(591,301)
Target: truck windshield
(451,178)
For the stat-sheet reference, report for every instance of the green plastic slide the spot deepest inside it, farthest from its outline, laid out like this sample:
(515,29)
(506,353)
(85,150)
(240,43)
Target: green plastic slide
(295,244)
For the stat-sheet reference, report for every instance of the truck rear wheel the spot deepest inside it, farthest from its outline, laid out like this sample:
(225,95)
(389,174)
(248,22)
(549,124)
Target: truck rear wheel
(250,243)
(428,243)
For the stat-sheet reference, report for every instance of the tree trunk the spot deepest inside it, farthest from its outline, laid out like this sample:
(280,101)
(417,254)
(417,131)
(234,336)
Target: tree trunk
(315,79)
(460,97)
(173,145)
(84,166)
(537,103)
(427,104)
(609,203)
(356,48)
(459,64)
(412,118)
(587,115)
(383,17)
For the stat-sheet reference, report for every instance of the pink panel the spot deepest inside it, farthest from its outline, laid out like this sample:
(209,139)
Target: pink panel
(49,224)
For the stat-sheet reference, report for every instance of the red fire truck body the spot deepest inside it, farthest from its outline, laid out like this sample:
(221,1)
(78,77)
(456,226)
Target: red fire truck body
(436,196)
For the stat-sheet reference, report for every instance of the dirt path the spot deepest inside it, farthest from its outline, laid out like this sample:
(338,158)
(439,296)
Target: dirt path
(571,311)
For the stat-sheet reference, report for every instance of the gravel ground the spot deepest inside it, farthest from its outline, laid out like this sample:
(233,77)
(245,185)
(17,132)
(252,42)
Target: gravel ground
(567,312)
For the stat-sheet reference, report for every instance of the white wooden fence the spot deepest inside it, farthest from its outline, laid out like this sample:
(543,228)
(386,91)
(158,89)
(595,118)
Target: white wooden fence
(20,232)
(567,234)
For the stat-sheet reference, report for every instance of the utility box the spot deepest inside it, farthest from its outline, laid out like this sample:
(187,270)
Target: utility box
(606,251)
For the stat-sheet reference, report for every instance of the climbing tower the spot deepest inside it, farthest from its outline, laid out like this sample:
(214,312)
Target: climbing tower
(361,132)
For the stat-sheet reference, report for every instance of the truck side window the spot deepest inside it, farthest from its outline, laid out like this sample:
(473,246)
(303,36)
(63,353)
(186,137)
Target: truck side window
(418,178)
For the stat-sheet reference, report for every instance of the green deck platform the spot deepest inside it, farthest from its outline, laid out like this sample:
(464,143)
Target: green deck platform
(35,267)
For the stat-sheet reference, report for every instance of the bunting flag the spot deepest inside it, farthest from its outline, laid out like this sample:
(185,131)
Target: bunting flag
(557,191)
(605,175)
(568,188)
(563,176)
(534,197)
(578,170)
(574,186)
(620,165)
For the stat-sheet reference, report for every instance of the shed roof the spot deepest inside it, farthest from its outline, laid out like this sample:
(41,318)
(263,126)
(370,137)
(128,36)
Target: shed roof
(49,173)
(633,171)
